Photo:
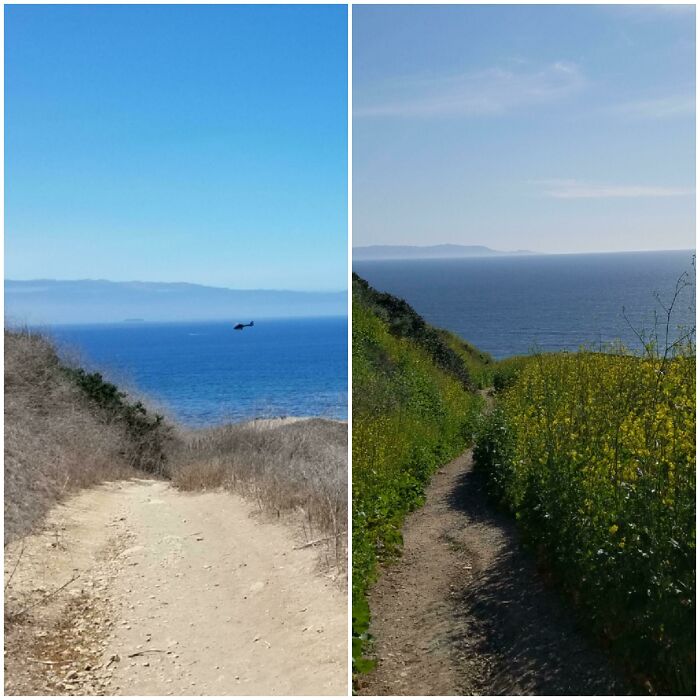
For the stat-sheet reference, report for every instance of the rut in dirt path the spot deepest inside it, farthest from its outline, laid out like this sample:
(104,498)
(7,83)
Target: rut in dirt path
(464,611)
(173,593)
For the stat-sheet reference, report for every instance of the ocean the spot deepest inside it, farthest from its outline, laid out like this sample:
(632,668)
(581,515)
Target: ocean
(515,305)
(206,373)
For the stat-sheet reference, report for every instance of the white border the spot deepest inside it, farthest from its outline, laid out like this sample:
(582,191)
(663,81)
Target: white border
(349,264)
(349,175)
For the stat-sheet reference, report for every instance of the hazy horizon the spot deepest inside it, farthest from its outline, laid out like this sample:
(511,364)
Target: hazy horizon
(561,129)
(199,142)
(534,252)
(49,302)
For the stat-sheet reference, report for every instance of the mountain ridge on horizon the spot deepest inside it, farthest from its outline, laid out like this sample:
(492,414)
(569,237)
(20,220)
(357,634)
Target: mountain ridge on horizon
(47,301)
(441,250)
(144,283)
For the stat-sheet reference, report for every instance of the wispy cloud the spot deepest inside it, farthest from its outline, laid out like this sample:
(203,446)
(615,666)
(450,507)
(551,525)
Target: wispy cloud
(489,92)
(657,108)
(652,12)
(575,189)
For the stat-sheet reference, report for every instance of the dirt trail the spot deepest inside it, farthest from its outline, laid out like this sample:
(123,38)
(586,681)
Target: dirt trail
(177,594)
(464,611)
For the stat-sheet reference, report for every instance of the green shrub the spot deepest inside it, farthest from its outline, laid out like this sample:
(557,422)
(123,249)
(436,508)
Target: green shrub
(506,371)
(148,435)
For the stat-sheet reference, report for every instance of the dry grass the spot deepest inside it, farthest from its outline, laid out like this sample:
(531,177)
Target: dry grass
(66,429)
(56,439)
(62,432)
(298,467)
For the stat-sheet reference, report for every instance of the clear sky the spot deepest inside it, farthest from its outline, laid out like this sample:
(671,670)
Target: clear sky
(550,128)
(199,144)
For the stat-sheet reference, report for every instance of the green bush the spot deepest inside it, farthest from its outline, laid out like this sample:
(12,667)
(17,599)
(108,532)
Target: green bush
(148,434)
(506,371)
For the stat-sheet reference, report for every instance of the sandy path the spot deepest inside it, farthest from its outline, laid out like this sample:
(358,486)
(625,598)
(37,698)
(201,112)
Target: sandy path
(178,594)
(464,611)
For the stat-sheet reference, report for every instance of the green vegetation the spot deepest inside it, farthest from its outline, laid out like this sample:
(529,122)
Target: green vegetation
(402,321)
(480,365)
(506,371)
(413,410)
(148,436)
(594,453)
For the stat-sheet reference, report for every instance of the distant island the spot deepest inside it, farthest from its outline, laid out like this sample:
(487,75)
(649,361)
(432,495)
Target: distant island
(46,302)
(414,252)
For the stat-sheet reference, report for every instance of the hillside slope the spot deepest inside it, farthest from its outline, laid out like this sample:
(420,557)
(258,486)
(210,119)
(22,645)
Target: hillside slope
(414,409)
(66,429)
(594,454)
(464,609)
(141,558)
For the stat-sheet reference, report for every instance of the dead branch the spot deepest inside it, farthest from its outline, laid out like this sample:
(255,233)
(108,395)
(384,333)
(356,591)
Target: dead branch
(318,541)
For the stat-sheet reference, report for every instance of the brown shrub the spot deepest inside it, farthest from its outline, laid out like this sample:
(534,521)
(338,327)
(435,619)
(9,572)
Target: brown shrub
(285,467)
(56,438)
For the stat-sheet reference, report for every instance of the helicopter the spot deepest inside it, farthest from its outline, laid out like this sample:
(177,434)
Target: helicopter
(241,326)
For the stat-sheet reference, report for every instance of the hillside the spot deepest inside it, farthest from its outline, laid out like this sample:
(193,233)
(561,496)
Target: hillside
(39,302)
(555,556)
(446,351)
(123,531)
(414,408)
(445,599)
(65,429)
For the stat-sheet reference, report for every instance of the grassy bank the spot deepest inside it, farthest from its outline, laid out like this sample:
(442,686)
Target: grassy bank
(414,409)
(67,429)
(594,454)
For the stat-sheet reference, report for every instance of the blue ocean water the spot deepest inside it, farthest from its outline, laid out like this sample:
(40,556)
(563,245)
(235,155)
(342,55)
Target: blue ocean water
(207,373)
(513,305)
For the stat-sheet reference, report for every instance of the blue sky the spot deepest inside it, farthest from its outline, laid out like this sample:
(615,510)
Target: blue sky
(201,144)
(550,128)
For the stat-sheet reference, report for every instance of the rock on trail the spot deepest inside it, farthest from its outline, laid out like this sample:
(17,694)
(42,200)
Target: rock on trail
(174,594)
